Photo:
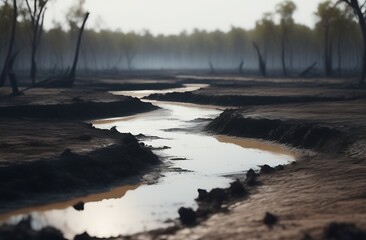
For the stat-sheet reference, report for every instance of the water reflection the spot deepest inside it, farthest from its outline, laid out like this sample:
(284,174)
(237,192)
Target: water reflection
(207,160)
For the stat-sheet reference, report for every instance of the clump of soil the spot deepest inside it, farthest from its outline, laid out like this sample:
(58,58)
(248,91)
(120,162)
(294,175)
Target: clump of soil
(302,134)
(45,153)
(70,104)
(30,181)
(23,230)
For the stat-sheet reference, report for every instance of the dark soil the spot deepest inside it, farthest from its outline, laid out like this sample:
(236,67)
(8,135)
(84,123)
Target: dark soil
(29,182)
(70,104)
(301,134)
(321,196)
(237,100)
(46,155)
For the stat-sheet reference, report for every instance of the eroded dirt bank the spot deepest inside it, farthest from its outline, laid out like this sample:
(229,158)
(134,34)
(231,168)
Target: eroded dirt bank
(325,186)
(253,92)
(309,198)
(47,154)
(70,104)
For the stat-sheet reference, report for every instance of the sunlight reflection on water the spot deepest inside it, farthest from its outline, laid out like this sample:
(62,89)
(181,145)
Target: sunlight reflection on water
(146,207)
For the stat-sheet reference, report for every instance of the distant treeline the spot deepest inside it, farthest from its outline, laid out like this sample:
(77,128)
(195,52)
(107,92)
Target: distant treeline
(332,47)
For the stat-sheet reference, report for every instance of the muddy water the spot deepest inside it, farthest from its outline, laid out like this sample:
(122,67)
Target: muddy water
(193,158)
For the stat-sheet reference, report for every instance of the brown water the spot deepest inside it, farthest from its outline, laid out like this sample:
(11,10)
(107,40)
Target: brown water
(131,209)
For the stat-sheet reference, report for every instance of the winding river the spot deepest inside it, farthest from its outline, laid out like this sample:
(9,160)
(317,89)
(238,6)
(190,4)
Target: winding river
(192,159)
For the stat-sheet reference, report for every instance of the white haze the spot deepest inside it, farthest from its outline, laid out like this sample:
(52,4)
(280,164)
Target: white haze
(175,16)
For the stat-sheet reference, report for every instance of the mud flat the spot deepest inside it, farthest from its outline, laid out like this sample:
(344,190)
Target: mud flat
(251,92)
(48,155)
(321,196)
(69,104)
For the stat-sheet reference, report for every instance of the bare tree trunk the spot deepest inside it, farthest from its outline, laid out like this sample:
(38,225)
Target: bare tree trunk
(37,18)
(74,65)
(212,68)
(326,51)
(5,70)
(12,78)
(306,72)
(262,63)
(339,57)
(362,23)
(129,60)
(241,65)
(283,55)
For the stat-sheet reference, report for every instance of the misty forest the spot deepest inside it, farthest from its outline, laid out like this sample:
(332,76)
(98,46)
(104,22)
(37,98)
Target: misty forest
(249,133)
(286,47)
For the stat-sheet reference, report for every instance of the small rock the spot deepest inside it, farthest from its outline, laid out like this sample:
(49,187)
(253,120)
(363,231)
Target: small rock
(50,233)
(252,181)
(114,129)
(187,216)
(279,168)
(217,194)
(202,195)
(79,206)
(237,188)
(83,236)
(203,210)
(251,174)
(270,219)
(140,136)
(265,169)
(66,153)
(344,231)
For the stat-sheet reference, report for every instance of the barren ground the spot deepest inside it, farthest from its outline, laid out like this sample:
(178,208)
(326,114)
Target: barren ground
(325,185)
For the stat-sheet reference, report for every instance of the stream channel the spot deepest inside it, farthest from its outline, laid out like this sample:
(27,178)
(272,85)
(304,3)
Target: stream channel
(193,159)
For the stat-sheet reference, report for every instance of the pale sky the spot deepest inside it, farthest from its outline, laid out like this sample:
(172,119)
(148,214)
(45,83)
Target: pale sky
(174,16)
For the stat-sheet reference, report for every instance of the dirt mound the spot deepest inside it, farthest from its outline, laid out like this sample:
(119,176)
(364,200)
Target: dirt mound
(301,134)
(31,181)
(79,109)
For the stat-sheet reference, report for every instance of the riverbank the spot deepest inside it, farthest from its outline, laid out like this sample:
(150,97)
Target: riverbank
(323,190)
(321,196)
(48,155)
(72,104)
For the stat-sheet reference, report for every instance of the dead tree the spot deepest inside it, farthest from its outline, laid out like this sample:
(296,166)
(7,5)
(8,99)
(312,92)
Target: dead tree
(328,52)
(212,68)
(129,55)
(360,12)
(262,63)
(10,58)
(241,65)
(12,77)
(71,77)
(307,71)
(37,17)
(5,70)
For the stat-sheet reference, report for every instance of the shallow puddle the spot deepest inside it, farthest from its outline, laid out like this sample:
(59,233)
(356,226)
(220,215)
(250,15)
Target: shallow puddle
(195,159)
